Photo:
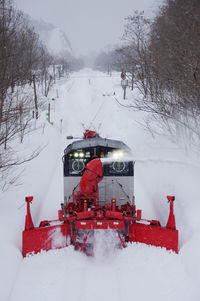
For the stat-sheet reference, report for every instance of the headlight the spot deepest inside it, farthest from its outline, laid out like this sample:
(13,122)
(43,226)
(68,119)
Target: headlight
(81,155)
(118,154)
(76,155)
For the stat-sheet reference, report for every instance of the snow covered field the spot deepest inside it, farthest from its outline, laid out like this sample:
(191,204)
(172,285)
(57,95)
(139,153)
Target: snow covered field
(138,272)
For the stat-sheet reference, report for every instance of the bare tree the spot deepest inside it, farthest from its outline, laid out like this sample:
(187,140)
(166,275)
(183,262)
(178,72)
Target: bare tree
(21,54)
(163,56)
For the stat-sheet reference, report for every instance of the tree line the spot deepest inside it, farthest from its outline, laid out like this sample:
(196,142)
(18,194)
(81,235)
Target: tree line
(27,70)
(162,57)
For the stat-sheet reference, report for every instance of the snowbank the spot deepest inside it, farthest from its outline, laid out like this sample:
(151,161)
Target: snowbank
(162,168)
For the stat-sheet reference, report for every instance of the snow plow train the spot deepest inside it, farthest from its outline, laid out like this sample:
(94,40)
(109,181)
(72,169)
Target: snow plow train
(98,194)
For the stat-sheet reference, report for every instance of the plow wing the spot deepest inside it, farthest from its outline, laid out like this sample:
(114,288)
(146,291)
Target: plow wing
(129,229)
(45,238)
(154,235)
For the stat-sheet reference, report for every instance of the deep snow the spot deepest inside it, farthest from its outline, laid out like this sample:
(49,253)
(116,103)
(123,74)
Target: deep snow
(162,167)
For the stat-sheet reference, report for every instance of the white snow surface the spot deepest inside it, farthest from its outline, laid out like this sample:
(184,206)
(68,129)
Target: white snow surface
(53,37)
(139,272)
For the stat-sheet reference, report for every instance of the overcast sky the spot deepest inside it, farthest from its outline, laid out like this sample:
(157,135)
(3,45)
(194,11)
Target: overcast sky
(89,24)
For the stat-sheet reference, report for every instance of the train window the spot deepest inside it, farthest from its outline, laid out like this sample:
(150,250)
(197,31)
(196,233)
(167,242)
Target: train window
(74,166)
(118,166)
(78,165)
(76,160)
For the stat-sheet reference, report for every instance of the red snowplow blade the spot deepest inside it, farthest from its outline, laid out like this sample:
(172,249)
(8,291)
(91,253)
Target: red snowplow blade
(132,228)
(154,235)
(45,238)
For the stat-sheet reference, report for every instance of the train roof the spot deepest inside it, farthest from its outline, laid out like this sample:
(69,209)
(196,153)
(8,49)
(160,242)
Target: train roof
(94,142)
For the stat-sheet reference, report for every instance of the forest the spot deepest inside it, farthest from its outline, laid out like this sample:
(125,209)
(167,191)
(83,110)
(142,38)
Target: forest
(27,71)
(161,59)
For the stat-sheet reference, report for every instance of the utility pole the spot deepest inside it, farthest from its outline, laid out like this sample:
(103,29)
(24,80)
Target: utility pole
(35,97)
(54,73)
(132,78)
(124,84)
(59,71)
(49,112)
(108,69)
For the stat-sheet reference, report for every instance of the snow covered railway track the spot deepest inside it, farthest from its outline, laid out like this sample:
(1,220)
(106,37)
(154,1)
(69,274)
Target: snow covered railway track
(70,87)
(67,275)
(55,275)
(102,282)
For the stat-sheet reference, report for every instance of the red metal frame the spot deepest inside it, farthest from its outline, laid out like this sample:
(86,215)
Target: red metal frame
(85,214)
(139,230)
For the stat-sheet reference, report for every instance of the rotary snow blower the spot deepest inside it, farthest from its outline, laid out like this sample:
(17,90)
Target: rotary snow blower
(98,194)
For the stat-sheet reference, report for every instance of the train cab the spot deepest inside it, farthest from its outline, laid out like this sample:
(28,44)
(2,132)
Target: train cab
(118,169)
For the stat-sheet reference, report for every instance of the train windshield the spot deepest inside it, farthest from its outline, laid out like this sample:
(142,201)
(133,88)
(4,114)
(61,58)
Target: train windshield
(75,161)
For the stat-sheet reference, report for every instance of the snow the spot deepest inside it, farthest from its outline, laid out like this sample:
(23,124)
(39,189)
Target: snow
(57,41)
(162,168)
(53,37)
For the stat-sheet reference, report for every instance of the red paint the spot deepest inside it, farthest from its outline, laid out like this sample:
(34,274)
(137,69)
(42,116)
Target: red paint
(88,187)
(171,224)
(28,222)
(92,176)
(84,213)
(154,235)
(89,134)
(45,238)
